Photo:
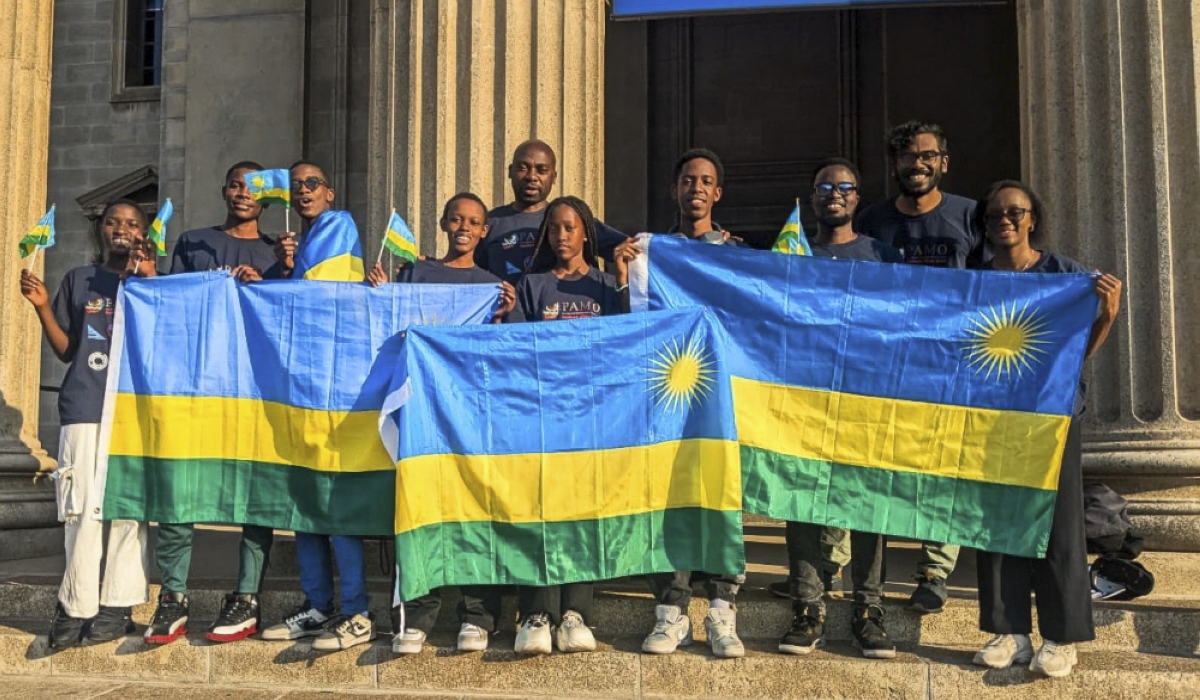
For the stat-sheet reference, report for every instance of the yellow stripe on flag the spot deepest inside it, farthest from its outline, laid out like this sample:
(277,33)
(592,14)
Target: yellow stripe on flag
(978,444)
(208,427)
(576,485)
(400,242)
(343,268)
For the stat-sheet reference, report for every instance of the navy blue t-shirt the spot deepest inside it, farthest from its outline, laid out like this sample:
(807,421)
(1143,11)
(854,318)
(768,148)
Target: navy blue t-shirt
(544,297)
(861,248)
(211,248)
(84,308)
(944,237)
(508,248)
(437,272)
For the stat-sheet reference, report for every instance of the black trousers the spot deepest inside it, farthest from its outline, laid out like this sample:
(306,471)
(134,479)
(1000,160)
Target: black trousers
(557,600)
(479,606)
(1061,581)
(676,588)
(805,559)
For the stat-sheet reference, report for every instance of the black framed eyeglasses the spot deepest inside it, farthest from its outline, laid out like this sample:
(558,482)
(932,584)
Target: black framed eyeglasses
(826,189)
(926,157)
(1015,215)
(310,183)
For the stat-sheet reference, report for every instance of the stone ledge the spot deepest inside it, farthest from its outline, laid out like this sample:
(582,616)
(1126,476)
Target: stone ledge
(197,668)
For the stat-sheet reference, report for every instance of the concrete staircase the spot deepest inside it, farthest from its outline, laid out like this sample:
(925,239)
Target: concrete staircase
(1145,648)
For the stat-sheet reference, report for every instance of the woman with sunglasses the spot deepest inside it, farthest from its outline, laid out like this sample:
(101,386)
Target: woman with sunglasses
(1013,218)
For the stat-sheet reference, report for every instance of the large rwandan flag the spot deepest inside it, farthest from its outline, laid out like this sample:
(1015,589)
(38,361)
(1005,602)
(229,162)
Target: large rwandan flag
(259,404)
(912,401)
(546,453)
(330,250)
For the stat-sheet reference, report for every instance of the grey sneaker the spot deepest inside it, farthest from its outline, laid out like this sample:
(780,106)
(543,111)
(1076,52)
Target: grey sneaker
(472,638)
(349,632)
(721,627)
(303,622)
(408,642)
(672,630)
(534,635)
(573,635)
(1004,650)
(1054,660)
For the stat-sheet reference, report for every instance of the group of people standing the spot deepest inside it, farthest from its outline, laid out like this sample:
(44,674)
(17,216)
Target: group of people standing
(545,258)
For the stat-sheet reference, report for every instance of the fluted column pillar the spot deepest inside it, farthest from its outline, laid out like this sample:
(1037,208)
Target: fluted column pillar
(1109,134)
(27,514)
(457,84)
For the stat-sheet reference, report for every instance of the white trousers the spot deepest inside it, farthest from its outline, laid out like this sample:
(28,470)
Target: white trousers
(125,584)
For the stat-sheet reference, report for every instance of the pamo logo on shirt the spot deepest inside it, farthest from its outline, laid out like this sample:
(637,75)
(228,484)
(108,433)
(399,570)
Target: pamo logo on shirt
(98,361)
(570,309)
(525,239)
(94,306)
(939,252)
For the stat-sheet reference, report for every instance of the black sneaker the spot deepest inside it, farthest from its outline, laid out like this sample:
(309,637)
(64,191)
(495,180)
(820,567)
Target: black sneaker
(170,619)
(867,627)
(930,596)
(65,631)
(110,624)
(239,618)
(807,632)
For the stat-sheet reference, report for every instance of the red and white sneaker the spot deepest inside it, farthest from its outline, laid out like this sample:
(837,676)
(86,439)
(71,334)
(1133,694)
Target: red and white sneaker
(170,619)
(238,619)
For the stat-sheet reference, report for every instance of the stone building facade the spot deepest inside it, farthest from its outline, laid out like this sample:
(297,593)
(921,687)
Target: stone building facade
(408,101)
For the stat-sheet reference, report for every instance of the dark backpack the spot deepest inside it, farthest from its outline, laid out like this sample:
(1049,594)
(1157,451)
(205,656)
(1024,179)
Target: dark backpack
(1107,525)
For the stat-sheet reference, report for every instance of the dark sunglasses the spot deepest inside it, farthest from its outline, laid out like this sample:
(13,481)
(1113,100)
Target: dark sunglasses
(826,189)
(309,183)
(1015,215)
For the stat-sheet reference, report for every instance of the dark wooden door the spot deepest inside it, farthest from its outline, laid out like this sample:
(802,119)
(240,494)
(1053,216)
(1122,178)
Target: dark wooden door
(774,93)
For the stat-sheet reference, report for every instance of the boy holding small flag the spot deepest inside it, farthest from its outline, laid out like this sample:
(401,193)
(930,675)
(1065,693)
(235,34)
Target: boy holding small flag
(239,246)
(331,239)
(78,327)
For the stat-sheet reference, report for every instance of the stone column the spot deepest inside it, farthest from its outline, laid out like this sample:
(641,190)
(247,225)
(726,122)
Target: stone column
(456,85)
(28,526)
(1109,136)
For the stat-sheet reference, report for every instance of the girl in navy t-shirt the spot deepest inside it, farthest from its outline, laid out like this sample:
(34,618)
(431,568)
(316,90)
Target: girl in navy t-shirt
(563,283)
(1012,215)
(78,326)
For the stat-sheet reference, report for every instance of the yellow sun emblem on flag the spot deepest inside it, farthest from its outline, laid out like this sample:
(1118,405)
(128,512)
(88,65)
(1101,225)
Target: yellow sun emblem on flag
(258,182)
(1005,341)
(681,374)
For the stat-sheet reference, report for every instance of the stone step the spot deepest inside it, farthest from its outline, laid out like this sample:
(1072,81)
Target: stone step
(625,611)
(254,669)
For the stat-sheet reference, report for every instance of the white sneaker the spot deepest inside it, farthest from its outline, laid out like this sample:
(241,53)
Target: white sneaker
(408,642)
(349,632)
(1054,660)
(672,630)
(472,638)
(721,627)
(1004,650)
(573,635)
(534,636)
(303,622)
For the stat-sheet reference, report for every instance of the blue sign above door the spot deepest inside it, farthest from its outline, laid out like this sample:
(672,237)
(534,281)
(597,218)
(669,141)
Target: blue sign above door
(648,8)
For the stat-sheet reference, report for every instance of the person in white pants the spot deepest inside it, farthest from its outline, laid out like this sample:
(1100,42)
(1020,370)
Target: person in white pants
(78,327)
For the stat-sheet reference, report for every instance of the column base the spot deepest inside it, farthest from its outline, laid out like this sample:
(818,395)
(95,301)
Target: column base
(31,543)
(1161,480)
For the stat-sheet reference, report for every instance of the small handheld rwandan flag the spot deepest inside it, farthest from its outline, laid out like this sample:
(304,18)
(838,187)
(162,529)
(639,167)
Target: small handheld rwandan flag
(270,186)
(158,229)
(792,240)
(40,236)
(399,239)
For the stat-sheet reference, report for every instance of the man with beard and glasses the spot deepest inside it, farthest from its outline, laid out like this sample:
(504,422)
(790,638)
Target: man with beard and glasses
(507,250)
(834,199)
(928,227)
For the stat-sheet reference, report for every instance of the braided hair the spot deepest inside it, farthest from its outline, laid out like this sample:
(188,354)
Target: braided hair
(544,258)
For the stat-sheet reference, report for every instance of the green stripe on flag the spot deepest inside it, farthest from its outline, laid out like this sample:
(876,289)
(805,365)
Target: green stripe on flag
(482,552)
(920,506)
(246,492)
